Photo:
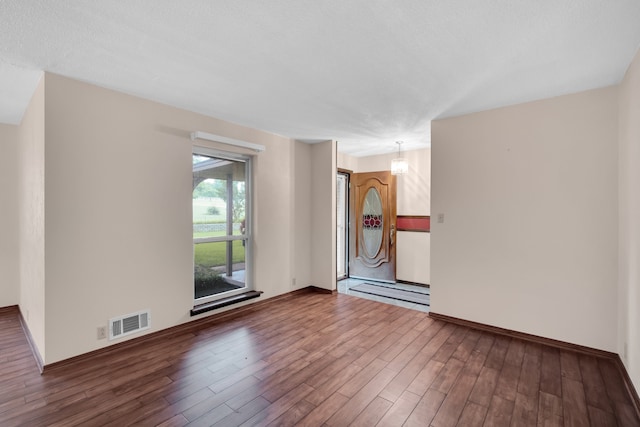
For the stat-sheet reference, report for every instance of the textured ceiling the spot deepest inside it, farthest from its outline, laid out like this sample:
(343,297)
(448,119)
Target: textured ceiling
(363,72)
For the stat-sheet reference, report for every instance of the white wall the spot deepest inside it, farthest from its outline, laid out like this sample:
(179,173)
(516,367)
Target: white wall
(629,215)
(9,243)
(31,202)
(529,240)
(413,198)
(118,216)
(323,215)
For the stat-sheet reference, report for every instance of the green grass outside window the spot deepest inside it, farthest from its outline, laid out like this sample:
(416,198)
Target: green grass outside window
(213,254)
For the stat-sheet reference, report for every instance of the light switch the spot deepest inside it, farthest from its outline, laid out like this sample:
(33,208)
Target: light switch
(440,218)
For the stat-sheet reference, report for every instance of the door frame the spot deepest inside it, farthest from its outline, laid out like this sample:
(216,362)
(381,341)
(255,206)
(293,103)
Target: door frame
(353,230)
(347,231)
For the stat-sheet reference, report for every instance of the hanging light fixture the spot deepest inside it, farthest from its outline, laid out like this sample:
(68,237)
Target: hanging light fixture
(399,165)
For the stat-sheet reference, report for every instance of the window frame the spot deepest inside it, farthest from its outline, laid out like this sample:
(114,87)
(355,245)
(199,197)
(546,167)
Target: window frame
(247,236)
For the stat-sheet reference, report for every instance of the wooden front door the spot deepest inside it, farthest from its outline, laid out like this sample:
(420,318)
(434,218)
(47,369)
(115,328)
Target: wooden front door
(373,226)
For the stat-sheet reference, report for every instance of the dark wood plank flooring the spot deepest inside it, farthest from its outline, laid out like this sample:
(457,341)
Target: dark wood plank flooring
(314,360)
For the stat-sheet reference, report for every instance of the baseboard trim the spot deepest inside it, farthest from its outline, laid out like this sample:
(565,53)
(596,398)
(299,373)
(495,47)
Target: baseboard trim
(631,390)
(321,290)
(190,326)
(562,345)
(30,341)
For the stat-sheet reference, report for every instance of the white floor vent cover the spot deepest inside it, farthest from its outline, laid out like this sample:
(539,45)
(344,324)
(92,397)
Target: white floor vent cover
(129,324)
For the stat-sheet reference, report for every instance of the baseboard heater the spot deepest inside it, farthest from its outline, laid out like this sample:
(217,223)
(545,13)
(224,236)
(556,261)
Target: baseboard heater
(203,308)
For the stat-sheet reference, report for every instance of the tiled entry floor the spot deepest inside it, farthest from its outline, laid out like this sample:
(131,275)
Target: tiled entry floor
(345,285)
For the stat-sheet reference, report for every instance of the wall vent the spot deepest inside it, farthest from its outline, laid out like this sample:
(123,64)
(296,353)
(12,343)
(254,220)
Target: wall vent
(129,324)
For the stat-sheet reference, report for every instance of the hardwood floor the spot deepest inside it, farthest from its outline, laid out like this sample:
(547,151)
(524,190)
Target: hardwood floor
(312,360)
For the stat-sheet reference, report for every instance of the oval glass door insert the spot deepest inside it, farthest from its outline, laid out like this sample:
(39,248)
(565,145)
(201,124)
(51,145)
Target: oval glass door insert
(372,223)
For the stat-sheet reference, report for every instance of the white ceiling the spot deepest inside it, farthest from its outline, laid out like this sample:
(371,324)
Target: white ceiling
(363,72)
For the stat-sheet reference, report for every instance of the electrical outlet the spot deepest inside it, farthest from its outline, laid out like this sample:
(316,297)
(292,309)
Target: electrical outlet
(440,218)
(625,352)
(293,282)
(102,332)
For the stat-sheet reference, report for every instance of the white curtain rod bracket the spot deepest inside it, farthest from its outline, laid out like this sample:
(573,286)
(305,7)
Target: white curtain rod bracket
(229,141)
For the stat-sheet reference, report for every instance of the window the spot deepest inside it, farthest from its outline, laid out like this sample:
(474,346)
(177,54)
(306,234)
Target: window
(221,224)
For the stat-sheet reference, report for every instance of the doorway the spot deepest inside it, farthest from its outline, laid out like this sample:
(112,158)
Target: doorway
(372,253)
(369,270)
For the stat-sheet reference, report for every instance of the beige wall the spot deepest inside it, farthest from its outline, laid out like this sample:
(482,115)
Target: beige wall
(323,215)
(413,198)
(31,203)
(346,161)
(529,239)
(9,243)
(118,217)
(301,249)
(629,216)
(413,257)
(414,188)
